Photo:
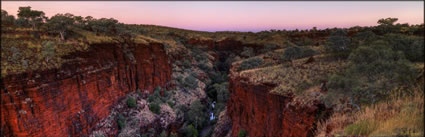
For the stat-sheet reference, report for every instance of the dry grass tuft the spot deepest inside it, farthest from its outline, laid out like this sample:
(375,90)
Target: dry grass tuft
(397,116)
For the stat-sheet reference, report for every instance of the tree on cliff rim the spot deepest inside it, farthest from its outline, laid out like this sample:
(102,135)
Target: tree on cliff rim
(61,23)
(33,16)
(103,25)
(6,19)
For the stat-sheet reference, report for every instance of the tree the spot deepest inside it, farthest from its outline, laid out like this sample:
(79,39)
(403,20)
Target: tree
(7,19)
(387,21)
(21,22)
(197,115)
(338,42)
(387,25)
(60,23)
(79,22)
(34,17)
(103,25)
(125,35)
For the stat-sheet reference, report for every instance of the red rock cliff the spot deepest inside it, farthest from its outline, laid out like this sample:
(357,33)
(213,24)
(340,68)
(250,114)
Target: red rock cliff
(251,107)
(70,100)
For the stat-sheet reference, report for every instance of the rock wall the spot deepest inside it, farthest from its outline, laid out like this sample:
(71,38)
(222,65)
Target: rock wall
(70,100)
(261,114)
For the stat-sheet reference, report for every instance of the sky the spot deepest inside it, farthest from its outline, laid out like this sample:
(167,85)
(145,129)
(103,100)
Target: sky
(235,15)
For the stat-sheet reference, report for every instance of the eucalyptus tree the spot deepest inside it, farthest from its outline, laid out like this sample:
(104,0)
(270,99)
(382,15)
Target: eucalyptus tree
(34,17)
(61,23)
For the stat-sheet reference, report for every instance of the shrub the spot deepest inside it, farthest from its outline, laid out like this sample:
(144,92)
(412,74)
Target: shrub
(121,121)
(242,133)
(304,41)
(187,63)
(338,43)
(197,114)
(268,47)
(222,92)
(372,72)
(190,82)
(131,102)
(155,108)
(296,52)
(170,103)
(203,66)
(163,134)
(411,46)
(151,132)
(379,60)
(251,63)
(365,37)
(157,91)
(247,52)
(48,50)
(362,128)
(190,131)
(156,96)
(172,134)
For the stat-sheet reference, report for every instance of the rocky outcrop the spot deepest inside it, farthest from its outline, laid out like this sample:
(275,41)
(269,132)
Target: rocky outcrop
(262,114)
(70,100)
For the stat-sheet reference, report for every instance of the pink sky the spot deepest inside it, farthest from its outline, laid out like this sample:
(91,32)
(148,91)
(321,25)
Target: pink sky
(236,15)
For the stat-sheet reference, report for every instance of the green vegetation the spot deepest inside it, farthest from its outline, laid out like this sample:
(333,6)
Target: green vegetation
(61,23)
(362,128)
(373,71)
(33,17)
(251,63)
(131,102)
(222,95)
(338,43)
(155,108)
(242,133)
(248,52)
(400,115)
(268,48)
(172,134)
(190,81)
(296,52)
(163,134)
(121,121)
(6,19)
(190,131)
(197,114)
